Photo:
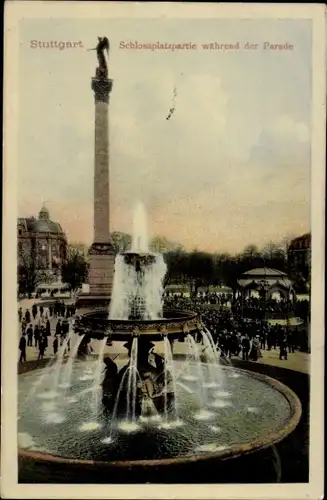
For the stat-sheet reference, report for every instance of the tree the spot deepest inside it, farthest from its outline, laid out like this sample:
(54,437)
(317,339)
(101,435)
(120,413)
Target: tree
(121,241)
(28,274)
(177,267)
(161,244)
(232,267)
(200,270)
(81,248)
(275,257)
(75,268)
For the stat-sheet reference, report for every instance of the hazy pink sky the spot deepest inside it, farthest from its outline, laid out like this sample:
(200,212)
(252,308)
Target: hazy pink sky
(231,166)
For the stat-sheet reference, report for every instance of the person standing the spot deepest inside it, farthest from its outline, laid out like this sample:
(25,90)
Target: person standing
(255,349)
(27,316)
(290,341)
(24,325)
(20,314)
(283,347)
(65,331)
(48,328)
(34,311)
(22,348)
(29,332)
(50,311)
(41,348)
(245,348)
(44,337)
(58,328)
(55,346)
(238,344)
(36,335)
(41,311)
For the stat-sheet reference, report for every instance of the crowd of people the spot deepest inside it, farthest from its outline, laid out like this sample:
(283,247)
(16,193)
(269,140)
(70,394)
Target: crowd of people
(232,332)
(256,304)
(35,327)
(236,335)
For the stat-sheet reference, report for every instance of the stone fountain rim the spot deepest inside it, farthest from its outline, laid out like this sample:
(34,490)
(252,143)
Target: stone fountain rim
(183,323)
(185,316)
(234,451)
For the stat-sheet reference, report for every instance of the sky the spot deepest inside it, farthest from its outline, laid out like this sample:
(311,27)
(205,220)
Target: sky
(231,167)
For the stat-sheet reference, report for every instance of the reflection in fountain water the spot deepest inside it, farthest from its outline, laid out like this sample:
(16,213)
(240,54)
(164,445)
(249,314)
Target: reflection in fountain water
(54,418)
(89,426)
(215,429)
(127,426)
(220,403)
(204,414)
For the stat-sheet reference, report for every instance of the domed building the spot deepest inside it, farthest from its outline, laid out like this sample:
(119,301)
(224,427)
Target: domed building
(42,244)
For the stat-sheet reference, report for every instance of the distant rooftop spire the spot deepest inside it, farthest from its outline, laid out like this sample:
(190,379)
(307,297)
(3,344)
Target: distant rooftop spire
(44,213)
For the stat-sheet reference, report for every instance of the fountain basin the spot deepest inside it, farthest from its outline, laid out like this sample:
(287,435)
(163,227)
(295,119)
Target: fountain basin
(262,412)
(174,323)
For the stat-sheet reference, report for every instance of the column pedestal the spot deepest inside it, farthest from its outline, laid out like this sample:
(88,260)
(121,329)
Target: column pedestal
(101,271)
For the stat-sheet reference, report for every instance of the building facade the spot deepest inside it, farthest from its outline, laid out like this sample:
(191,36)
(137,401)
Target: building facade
(41,245)
(299,256)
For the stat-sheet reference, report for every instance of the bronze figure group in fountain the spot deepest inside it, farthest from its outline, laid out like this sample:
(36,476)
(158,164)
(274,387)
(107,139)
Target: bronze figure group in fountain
(154,389)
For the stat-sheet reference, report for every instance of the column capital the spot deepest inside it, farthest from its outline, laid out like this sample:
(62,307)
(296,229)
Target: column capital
(102,88)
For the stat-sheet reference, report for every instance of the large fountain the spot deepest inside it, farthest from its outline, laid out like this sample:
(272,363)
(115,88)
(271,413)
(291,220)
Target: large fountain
(131,402)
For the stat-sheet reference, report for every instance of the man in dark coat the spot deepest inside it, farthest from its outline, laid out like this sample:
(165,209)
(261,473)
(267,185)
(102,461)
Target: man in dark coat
(36,335)
(27,316)
(290,341)
(34,311)
(22,348)
(42,347)
(58,328)
(29,332)
(48,328)
(55,346)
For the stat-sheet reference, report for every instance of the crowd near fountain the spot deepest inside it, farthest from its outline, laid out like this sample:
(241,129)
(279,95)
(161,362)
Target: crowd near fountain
(145,404)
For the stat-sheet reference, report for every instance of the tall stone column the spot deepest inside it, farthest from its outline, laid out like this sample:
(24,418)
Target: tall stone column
(101,252)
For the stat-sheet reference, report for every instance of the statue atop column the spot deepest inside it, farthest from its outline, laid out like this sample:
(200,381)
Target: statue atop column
(102,70)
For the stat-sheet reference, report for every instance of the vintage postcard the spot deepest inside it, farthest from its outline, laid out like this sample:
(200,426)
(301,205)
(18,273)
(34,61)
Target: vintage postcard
(163,250)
